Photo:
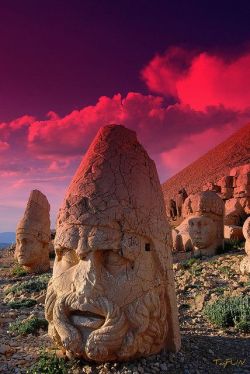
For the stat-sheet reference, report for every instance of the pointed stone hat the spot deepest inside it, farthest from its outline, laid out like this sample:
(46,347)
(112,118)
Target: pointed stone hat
(116,185)
(36,220)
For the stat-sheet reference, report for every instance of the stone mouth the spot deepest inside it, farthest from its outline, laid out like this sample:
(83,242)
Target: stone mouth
(87,319)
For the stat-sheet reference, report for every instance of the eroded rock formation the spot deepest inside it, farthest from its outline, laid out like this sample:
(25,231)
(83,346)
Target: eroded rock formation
(112,293)
(33,234)
(245,263)
(202,228)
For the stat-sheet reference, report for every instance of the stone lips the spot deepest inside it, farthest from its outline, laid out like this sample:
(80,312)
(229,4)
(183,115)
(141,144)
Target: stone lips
(212,166)
(113,217)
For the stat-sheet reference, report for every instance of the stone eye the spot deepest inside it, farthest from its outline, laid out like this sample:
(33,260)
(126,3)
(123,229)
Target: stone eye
(147,247)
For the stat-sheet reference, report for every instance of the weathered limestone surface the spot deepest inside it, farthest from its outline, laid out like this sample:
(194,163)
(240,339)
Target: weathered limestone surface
(233,232)
(33,234)
(112,293)
(245,263)
(202,230)
(234,212)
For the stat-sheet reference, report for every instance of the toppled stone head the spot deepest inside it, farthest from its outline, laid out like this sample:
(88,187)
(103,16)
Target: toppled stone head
(33,234)
(112,293)
(245,263)
(202,230)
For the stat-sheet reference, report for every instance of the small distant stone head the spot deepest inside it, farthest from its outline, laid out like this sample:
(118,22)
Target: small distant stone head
(33,234)
(203,223)
(245,263)
(202,231)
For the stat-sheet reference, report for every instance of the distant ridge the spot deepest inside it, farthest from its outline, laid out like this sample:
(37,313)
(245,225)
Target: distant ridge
(216,163)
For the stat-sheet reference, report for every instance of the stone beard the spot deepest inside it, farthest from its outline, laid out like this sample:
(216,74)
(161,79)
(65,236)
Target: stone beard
(112,294)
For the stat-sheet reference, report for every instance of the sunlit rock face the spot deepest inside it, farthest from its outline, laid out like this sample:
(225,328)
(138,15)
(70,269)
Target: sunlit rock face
(202,228)
(245,263)
(112,293)
(33,234)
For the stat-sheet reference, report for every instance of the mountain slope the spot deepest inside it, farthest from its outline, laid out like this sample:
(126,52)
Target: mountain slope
(214,164)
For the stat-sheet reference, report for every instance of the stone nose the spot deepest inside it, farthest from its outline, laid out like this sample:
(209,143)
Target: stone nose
(94,273)
(82,250)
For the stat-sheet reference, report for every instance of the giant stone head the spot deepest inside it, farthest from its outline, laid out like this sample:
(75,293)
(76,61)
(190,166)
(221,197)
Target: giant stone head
(112,293)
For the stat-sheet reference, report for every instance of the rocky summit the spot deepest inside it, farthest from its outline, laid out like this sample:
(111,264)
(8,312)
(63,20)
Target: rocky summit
(212,166)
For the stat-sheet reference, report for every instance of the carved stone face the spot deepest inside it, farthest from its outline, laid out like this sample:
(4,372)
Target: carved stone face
(112,292)
(28,249)
(111,303)
(202,231)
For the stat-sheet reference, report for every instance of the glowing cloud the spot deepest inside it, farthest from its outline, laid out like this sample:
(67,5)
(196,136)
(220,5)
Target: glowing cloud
(201,80)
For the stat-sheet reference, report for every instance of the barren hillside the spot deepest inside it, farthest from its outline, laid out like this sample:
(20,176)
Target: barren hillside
(214,164)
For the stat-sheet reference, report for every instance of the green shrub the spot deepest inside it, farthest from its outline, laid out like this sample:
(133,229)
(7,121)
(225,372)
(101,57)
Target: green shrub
(18,271)
(28,326)
(35,284)
(50,364)
(23,303)
(225,270)
(187,264)
(233,244)
(232,311)
(219,290)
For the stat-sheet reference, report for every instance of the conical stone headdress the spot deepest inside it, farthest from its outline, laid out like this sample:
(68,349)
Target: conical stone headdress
(115,184)
(35,220)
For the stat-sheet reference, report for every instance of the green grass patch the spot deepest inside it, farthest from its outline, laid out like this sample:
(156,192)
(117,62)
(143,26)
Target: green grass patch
(231,311)
(35,284)
(18,271)
(49,363)
(225,270)
(23,303)
(233,245)
(219,290)
(29,326)
(187,264)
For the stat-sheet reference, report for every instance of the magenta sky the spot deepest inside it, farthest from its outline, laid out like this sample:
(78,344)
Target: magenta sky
(178,75)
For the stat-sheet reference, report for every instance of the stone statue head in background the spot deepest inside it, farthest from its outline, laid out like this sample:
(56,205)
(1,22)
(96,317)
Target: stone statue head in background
(202,230)
(112,294)
(33,234)
(245,263)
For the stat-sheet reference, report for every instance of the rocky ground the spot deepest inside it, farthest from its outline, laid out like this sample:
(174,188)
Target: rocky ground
(205,348)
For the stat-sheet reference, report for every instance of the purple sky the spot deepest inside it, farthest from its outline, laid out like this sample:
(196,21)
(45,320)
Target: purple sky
(176,72)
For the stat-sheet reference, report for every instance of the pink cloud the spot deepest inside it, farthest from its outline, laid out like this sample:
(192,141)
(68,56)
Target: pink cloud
(4,146)
(201,80)
(21,122)
(45,154)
